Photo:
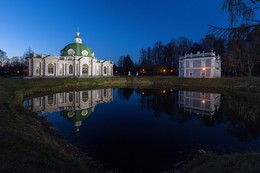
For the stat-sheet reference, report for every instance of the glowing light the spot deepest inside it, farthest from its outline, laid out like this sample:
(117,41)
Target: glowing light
(203,101)
(164,70)
(142,93)
(171,70)
(18,72)
(203,68)
(163,91)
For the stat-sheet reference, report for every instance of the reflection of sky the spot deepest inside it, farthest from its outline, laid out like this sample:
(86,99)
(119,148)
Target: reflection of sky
(119,131)
(25,103)
(63,126)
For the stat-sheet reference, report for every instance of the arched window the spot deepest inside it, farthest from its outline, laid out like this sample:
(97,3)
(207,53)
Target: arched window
(84,69)
(70,69)
(84,96)
(71,97)
(105,92)
(50,68)
(105,70)
(50,99)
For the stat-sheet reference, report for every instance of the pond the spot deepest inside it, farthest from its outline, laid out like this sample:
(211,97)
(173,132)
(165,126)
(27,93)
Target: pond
(150,130)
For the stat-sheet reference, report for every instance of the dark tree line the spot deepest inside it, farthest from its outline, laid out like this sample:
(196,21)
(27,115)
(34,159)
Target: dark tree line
(163,59)
(125,64)
(238,46)
(15,65)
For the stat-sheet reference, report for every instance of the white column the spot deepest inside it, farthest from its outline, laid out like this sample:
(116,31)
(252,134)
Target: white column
(30,67)
(43,67)
(80,72)
(58,69)
(74,68)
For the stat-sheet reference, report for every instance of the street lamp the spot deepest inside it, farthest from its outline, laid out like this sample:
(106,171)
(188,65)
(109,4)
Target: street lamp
(203,72)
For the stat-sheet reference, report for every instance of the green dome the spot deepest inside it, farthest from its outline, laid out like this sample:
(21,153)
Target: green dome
(76,115)
(79,49)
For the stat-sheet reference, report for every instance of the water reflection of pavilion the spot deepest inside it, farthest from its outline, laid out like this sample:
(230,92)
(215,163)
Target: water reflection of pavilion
(74,106)
(199,103)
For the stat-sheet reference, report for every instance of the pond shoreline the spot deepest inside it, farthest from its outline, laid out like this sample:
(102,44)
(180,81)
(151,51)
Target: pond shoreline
(35,136)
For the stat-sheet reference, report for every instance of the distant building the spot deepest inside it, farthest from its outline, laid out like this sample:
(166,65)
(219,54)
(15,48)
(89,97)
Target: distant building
(74,106)
(200,65)
(199,103)
(75,60)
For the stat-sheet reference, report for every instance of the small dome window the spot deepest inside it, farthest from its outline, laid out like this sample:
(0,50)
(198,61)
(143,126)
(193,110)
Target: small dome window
(71,52)
(84,52)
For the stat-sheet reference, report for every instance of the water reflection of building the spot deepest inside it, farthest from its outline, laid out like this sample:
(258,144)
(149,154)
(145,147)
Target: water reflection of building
(199,103)
(74,106)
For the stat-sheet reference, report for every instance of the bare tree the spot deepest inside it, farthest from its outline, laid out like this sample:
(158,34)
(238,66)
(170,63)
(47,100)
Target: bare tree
(3,57)
(238,10)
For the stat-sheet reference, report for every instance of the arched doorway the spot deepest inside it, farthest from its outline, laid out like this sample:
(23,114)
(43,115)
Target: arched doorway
(70,69)
(84,69)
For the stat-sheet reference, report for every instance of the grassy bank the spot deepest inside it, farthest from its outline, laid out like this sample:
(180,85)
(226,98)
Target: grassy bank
(212,163)
(30,144)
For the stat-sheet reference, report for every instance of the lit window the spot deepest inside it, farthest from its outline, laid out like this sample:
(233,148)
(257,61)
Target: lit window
(50,68)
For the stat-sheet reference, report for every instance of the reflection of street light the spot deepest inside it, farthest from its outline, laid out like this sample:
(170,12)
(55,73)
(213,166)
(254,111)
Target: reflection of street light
(203,101)
(171,70)
(203,72)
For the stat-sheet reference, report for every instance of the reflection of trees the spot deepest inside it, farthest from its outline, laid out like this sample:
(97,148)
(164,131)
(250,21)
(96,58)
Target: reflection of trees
(162,102)
(125,93)
(241,115)
(244,118)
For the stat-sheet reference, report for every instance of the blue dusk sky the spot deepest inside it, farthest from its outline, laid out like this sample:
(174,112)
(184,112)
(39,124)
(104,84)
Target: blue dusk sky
(110,28)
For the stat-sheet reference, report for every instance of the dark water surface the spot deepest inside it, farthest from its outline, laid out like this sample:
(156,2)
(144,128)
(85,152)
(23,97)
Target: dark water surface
(151,130)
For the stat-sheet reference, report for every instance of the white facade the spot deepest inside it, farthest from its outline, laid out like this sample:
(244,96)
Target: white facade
(74,106)
(199,103)
(200,65)
(76,60)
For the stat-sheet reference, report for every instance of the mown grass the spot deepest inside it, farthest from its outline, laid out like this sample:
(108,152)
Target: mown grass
(30,144)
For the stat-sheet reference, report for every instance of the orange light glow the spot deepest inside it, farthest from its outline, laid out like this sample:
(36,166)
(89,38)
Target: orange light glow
(203,101)
(203,68)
